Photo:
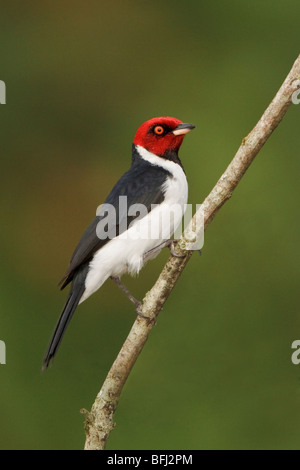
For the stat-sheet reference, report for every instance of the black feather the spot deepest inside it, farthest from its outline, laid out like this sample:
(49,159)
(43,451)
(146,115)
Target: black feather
(76,292)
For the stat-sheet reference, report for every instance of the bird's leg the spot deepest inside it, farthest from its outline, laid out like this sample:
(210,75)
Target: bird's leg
(137,303)
(120,284)
(156,249)
(166,244)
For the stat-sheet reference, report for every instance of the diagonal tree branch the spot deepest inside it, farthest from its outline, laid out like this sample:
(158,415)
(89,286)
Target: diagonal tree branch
(99,421)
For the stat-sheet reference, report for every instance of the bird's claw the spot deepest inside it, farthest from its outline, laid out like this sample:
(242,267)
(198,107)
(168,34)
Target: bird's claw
(172,249)
(140,314)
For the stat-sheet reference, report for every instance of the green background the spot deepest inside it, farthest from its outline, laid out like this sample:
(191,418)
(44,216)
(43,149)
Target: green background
(216,372)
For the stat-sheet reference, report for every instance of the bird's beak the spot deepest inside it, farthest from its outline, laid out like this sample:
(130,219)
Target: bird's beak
(183,128)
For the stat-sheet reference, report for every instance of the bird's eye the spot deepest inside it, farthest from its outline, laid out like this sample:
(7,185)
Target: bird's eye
(159,130)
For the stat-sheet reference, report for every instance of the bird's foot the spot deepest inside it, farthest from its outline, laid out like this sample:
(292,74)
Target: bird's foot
(138,309)
(171,245)
(140,314)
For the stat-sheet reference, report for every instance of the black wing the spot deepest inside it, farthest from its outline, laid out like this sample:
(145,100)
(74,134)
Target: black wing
(141,184)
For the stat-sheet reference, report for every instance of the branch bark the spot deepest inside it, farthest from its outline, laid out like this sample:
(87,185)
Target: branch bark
(99,422)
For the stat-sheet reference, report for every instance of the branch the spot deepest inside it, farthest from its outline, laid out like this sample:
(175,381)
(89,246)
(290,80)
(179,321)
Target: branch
(99,421)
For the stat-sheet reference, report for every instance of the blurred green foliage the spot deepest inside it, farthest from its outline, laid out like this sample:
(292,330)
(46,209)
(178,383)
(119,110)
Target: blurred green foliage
(216,372)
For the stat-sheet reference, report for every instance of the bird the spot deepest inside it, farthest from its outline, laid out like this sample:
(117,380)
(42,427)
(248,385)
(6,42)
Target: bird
(123,237)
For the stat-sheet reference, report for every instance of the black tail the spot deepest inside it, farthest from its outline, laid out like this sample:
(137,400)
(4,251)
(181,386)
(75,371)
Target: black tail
(76,292)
